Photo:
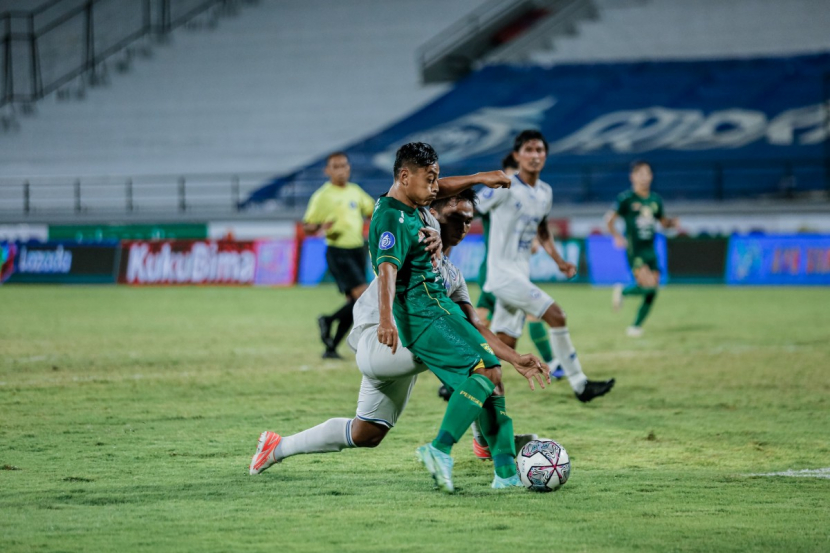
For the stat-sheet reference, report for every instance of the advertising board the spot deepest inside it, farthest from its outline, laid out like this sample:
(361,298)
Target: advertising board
(795,260)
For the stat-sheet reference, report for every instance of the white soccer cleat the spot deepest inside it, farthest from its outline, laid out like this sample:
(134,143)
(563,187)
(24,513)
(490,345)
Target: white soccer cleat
(617,297)
(634,331)
(264,456)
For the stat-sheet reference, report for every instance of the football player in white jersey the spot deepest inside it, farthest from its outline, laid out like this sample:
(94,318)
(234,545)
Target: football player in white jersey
(518,214)
(388,377)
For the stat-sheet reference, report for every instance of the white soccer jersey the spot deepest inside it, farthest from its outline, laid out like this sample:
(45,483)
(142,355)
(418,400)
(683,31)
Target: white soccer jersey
(515,214)
(366,310)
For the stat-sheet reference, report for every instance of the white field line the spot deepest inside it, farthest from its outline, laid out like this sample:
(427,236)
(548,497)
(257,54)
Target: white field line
(806,473)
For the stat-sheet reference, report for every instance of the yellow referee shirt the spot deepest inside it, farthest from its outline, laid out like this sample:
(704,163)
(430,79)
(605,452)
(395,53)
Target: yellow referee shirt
(343,206)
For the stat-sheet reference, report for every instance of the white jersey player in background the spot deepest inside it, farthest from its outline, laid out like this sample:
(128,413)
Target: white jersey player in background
(518,214)
(388,377)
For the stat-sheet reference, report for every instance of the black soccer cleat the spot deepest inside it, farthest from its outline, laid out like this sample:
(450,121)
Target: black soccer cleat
(595,389)
(331,354)
(325,331)
(444,393)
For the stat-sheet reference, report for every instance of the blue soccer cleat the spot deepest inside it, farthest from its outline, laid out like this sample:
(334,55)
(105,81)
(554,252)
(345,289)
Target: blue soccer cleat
(439,465)
(558,373)
(500,483)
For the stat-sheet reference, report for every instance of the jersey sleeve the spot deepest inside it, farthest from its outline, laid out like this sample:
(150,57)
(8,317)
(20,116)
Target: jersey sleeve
(314,213)
(660,212)
(388,239)
(461,294)
(490,198)
(621,204)
(367,204)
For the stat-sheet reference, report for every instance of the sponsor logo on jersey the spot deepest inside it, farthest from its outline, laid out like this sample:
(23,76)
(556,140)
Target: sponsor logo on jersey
(486,347)
(353,205)
(387,240)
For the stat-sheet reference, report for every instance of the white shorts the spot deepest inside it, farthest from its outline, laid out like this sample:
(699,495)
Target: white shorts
(513,301)
(387,379)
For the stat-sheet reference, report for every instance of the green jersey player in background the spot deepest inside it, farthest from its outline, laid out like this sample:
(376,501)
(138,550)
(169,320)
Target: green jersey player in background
(641,210)
(416,313)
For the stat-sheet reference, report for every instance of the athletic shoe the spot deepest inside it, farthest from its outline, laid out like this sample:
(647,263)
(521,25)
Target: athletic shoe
(558,373)
(521,440)
(617,297)
(439,465)
(444,393)
(594,389)
(500,483)
(634,331)
(481,451)
(264,456)
(331,354)
(325,331)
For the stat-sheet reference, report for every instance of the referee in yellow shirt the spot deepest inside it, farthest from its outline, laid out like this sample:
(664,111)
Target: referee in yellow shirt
(338,208)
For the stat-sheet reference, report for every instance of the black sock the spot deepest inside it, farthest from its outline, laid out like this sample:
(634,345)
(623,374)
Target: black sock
(345,320)
(337,315)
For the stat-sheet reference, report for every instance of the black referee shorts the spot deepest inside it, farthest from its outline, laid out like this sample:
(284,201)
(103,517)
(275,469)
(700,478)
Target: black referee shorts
(347,266)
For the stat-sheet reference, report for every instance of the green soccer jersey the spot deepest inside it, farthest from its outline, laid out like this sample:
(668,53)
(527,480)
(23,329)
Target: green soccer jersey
(641,216)
(420,296)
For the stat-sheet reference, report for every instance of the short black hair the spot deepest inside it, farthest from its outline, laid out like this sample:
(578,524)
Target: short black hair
(509,162)
(468,194)
(526,136)
(336,154)
(637,163)
(418,154)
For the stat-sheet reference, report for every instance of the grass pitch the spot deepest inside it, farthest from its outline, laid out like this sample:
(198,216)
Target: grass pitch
(128,418)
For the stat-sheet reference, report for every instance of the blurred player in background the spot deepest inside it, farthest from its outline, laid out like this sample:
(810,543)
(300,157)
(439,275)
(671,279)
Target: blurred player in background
(641,210)
(338,208)
(517,215)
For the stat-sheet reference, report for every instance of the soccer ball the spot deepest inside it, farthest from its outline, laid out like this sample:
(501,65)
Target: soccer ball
(543,465)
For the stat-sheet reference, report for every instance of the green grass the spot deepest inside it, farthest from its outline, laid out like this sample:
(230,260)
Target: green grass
(128,417)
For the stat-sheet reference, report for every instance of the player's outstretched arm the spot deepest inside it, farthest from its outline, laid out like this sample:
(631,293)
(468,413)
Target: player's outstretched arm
(611,224)
(669,222)
(528,365)
(387,330)
(450,186)
(546,241)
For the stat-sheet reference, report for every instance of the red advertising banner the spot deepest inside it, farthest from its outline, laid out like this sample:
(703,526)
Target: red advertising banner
(187,262)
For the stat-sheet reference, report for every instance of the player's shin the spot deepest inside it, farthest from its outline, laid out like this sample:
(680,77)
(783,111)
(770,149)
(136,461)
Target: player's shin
(332,435)
(564,351)
(539,335)
(497,428)
(463,408)
(642,313)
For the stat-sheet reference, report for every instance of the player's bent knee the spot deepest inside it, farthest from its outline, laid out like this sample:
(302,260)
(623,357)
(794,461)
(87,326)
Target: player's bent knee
(367,434)
(555,317)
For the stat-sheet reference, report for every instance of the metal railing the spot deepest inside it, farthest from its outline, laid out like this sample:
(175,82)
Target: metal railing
(45,48)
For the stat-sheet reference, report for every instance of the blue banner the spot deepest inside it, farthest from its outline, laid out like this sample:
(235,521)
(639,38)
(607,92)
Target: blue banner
(779,260)
(725,124)
(60,262)
(608,264)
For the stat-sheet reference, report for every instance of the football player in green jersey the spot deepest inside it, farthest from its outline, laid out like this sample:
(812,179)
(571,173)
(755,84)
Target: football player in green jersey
(416,313)
(641,210)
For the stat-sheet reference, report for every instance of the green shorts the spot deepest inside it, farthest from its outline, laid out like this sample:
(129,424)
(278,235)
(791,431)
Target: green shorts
(487,301)
(646,257)
(452,348)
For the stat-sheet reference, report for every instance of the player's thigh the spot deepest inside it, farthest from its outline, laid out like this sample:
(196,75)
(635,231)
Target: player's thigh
(382,401)
(376,360)
(507,320)
(452,348)
(520,293)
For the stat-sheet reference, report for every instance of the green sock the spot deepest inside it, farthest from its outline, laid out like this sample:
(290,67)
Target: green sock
(645,307)
(463,408)
(539,335)
(497,428)
(635,290)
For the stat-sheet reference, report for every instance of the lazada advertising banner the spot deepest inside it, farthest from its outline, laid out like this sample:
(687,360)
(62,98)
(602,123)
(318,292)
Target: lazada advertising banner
(187,262)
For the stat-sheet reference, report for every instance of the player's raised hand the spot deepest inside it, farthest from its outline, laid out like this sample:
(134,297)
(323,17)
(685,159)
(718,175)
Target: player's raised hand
(494,179)
(431,239)
(388,335)
(568,269)
(531,367)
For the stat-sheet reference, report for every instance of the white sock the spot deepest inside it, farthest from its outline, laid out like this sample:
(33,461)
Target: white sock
(332,435)
(563,349)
